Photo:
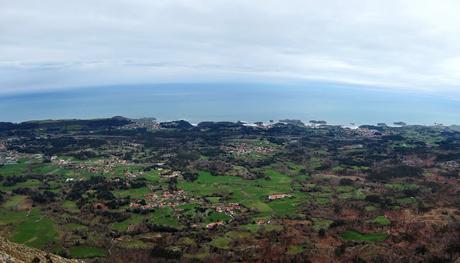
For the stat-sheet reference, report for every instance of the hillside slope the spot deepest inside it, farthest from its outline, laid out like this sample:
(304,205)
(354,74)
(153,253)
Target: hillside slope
(15,253)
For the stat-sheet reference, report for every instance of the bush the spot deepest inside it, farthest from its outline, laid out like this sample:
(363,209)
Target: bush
(396,171)
(159,252)
(373,199)
(346,181)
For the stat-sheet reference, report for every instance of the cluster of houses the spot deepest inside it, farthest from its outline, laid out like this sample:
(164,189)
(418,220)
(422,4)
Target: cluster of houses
(367,132)
(229,209)
(4,160)
(60,162)
(352,147)
(245,148)
(12,157)
(132,175)
(7,157)
(103,166)
(170,174)
(143,123)
(135,205)
(263,221)
(166,199)
(2,146)
(450,165)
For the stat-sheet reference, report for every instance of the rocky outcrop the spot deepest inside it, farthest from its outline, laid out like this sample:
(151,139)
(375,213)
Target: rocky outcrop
(16,253)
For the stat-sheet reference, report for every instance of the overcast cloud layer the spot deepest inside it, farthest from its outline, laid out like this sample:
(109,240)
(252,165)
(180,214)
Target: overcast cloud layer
(412,44)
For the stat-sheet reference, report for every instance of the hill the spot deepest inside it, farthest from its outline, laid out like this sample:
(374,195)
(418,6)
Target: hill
(15,253)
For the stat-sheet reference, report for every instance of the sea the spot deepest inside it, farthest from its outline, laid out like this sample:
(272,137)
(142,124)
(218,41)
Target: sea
(250,102)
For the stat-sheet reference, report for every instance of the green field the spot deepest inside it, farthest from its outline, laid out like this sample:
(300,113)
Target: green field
(14,201)
(320,223)
(137,193)
(357,236)
(70,206)
(380,220)
(13,169)
(8,217)
(86,252)
(294,250)
(34,230)
(267,227)
(164,217)
(125,224)
(46,169)
(220,242)
(215,216)
(31,183)
(401,187)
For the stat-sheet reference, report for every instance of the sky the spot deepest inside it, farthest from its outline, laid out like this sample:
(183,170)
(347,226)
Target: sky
(390,44)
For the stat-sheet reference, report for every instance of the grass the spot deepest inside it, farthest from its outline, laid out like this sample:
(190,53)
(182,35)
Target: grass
(253,228)
(75,227)
(321,223)
(164,217)
(186,241)
(401,187)
(35,230)
(284,207)
(213,199)
(303,177)
(13,169)
(70,206)
(86,252)
(14,202)
(237,234)
(199,256)
(355,195)
(77,174)
(215,216)
(125,224)
(380,220)
(314,162)
(357,236)
(31,183)
(323,200)
(134,244)
(406,201)
(137,193)
(220,242)
(294,250)
(8,217)
(45,169)
(345,188)
(152,177)
(370,208)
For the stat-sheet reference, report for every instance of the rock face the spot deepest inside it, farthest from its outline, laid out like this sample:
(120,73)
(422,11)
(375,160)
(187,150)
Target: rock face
(15,253)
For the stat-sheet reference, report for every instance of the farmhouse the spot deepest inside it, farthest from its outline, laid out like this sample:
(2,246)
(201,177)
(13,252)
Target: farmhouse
(278,196)
(214,224)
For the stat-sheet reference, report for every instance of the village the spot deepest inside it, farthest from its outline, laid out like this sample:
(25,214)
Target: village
(245,148)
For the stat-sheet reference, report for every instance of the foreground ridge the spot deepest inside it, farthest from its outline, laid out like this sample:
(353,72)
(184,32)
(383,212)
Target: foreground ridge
(11,252)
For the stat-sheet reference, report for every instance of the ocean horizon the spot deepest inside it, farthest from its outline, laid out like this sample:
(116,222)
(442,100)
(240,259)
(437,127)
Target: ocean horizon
(247,102)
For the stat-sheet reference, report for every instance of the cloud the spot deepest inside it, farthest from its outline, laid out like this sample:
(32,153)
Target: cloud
(409,44)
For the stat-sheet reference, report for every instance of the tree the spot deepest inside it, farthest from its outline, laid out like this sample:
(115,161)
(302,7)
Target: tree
(172,184)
